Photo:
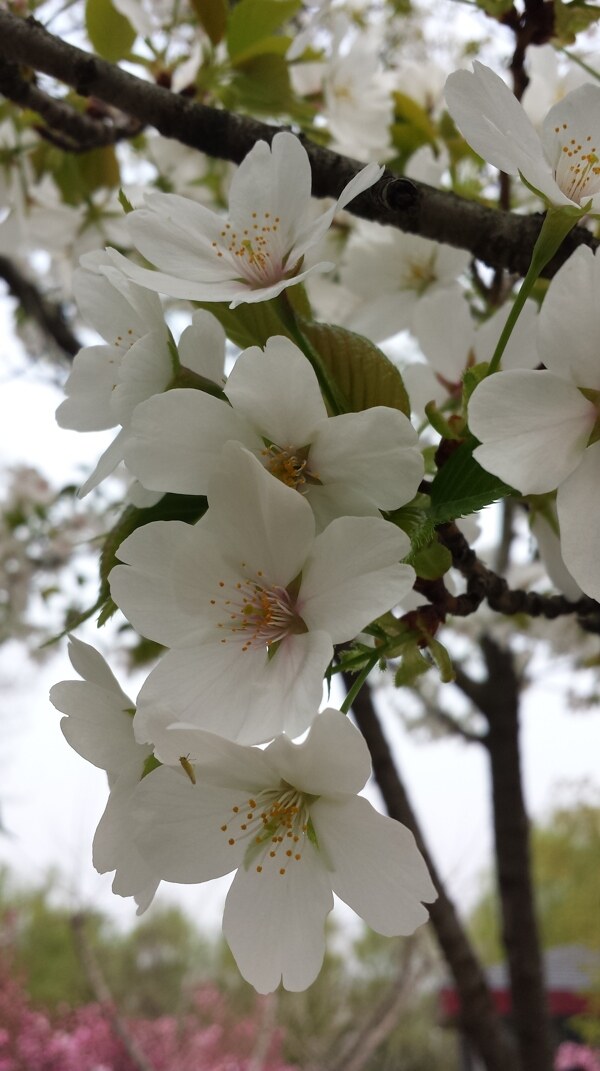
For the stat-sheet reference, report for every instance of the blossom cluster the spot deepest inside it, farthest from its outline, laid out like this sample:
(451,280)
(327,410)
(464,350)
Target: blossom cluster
(298,552)
(291,559)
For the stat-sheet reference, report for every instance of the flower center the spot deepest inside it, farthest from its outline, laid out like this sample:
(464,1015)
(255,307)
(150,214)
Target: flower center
(290,465)
(257,614)
(578,169)
(275,823)
(419,275)
(255,250)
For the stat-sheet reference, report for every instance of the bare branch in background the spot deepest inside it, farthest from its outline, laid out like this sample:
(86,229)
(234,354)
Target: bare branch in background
(48,316)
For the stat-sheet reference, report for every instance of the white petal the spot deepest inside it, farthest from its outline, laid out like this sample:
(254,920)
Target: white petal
(265,524)
(569,321)
(376,867)
(146,587)
(114,848)
(521,351)
(316,766)
(352,577)
(447,351)
(490,117)
(178,827)
(277,390)
(107,463)
(177,437)
(145,370)
(201,347)
(578,507)
(573,125)
(534,428)
(89,390)
(98,728)
(374,451)
(89,664)
(274,924)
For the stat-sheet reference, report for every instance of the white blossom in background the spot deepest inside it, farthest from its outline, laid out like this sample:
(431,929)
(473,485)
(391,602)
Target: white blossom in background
(288,819)
(108,381)
(251,602)
(389,272)
(551,78)
(452,341)
(99,727)
(357,92)
(562,164)
(349,465)
(254,253)
(539,429)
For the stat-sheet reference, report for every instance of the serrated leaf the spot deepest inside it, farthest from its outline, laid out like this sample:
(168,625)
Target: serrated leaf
(110,33)
(462,486)
(212,16)
(363,373)
(251,21)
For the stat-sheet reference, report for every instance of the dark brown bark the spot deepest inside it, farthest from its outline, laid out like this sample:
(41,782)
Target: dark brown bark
(498,700)
(500,239)
(479,1018)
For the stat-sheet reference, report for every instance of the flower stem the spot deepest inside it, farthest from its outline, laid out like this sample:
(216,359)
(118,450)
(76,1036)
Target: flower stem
(558,222)
(332,394)
(358,683)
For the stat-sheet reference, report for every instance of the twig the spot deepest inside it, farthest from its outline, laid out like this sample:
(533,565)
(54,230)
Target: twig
(47,315)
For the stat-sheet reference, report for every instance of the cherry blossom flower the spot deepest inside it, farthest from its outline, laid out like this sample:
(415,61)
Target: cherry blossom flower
(289,820)
(391,272)
(562,165)
(251,603)
(99,727)
(254,254)
(539,429)
(353,464)
(108,381)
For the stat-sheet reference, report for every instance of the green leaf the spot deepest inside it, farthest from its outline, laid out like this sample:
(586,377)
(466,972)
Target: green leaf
(99,168)
(251,21)
(253,322)
(413,665)
(571,19)
(212,16)
(110,33)
(495,8)
(472,378)
(462,486)
(363,373)
(262,84)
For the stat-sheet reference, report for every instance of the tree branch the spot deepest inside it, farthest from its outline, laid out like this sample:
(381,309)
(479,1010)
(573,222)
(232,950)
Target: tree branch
(484,584)
(47,316)
(500,239)
(66,127)
(479,1017)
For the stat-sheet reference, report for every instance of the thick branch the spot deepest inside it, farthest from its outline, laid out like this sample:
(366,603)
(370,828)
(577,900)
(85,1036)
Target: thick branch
(47,316)
(479,1017)
(500,239)
(498,701)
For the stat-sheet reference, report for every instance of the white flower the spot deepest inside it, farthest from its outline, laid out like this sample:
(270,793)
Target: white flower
(108,381)
(251,603)
(358,102)
(254,254)
(563,165)
(353,464)
(539,429)
(99,726)
(289,821)
(389,272)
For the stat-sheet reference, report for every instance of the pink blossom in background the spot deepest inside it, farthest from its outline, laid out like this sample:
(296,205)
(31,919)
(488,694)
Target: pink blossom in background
(571,1056)
(83,1039)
